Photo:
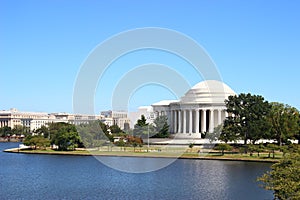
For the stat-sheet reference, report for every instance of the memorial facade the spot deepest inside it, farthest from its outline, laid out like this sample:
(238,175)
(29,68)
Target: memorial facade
(200,110)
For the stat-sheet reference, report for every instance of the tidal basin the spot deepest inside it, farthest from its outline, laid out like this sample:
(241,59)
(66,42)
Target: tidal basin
(30,176)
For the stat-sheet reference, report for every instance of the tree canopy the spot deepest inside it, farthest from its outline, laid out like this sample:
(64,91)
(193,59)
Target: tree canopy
(284,178)
(284,122)
(161,127)
(141,127)
(247,117)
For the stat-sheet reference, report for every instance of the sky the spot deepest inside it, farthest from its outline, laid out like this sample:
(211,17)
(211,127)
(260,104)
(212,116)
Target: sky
(44,44)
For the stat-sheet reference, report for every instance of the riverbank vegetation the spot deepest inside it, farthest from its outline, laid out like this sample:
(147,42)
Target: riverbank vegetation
(284,177)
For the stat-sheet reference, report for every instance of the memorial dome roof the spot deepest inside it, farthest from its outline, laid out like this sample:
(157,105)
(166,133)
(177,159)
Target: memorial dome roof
(208,92)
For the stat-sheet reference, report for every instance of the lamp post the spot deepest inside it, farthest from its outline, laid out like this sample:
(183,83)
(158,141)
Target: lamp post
(148,133)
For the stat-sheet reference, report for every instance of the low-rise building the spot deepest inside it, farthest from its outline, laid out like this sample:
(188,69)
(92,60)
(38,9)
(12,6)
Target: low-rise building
(119,118)
(35,120)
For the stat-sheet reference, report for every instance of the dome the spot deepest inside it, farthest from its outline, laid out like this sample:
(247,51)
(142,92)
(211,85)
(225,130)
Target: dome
(210,92)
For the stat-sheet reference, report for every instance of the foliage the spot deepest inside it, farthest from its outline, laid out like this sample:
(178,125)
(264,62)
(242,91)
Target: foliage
(141,127)
(284,121)
(230,131)
(215,135)
(43,131)
(255,148)
(161,127)
(64,135)
(191,145)
(5,131)
(223,147)
(20,130)
(249,117)
(272,148)
(37,141)
(284,178)
(93,134)
(115,129)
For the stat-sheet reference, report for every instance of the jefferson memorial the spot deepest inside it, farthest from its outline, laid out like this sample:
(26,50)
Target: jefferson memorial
(200,110)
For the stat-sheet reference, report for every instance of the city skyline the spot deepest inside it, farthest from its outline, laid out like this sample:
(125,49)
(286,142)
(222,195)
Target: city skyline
(43,45)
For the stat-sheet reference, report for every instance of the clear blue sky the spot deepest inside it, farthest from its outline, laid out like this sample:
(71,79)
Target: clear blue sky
(255,45)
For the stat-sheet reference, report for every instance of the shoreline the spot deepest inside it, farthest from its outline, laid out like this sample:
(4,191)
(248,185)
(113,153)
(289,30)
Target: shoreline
(139,155)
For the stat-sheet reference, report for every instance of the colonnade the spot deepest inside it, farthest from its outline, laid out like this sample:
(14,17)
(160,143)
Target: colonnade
(3,123)
(194,120)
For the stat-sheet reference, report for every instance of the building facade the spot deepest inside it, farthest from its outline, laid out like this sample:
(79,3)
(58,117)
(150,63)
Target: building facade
(29,120)
(147,111)
(35,120)
(119,118)
(200,110)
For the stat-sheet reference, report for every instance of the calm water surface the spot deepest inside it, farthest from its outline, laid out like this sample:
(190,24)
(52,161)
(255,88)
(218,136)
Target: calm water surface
(24,176)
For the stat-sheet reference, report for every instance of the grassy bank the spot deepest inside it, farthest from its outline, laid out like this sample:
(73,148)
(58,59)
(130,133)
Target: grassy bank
(157,152)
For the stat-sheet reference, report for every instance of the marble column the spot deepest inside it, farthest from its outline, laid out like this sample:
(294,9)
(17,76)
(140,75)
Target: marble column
(203,119)
(211,121)
(197,121)
(184,121)
(179,121)
(168,114)
(171,121)
(191,121)
(219,117)
(175,122)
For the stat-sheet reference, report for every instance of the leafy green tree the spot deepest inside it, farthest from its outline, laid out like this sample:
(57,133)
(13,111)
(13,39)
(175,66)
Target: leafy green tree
(255,148)
(161,127)
(284,121)
(43,130)
(115,129)
(64,135)
(5,131)
(297,135)
(37,141)
(19,130)
(284,178)
(229,131)
(223,147)
(249,116)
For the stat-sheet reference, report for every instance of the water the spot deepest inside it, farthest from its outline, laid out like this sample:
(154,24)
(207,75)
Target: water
(25,176)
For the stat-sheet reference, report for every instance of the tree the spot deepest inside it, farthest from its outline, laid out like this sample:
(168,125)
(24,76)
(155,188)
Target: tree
(134,144)
(19,130)
(284,121)
(64,135)
(223,147)
(43,130)
(161,127)
(272,148)
(248,119)
(5,131)
(284,178)
(93,133)
(115,129)
(229,131)
(255,148)
(297,135)
(37,141)
(215,135)
(141,127)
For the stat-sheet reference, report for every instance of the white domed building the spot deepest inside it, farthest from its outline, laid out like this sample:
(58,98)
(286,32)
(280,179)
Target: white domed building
(200,110)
